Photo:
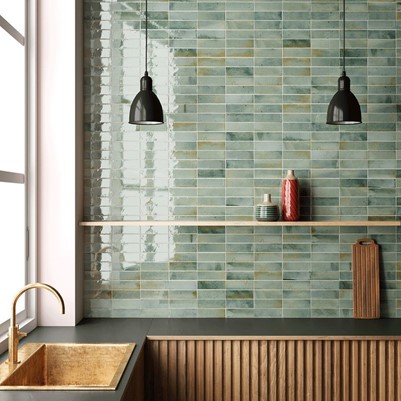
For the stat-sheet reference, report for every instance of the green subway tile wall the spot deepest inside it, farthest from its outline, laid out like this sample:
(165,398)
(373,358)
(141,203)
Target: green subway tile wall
(245,87)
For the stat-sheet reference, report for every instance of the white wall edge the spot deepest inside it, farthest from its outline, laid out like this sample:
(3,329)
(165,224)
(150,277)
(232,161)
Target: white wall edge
(59,207)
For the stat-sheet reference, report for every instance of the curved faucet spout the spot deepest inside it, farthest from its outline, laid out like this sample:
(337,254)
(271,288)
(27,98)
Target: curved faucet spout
(14,334)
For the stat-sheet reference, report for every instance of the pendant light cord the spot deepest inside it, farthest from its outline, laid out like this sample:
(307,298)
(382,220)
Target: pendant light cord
(343,36)
(146,36)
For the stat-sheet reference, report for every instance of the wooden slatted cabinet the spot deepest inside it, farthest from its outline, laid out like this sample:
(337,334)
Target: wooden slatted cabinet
(273,369)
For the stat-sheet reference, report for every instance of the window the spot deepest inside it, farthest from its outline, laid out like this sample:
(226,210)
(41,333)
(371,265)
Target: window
(15,92)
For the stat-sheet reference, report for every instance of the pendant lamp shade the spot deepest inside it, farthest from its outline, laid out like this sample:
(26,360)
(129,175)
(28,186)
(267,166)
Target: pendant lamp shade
(344,108)
(146,108)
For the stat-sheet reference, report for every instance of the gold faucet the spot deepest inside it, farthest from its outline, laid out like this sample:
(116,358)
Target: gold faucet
(14,333)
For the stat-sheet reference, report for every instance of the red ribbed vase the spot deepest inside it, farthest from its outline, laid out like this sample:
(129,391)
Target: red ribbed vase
(290,197)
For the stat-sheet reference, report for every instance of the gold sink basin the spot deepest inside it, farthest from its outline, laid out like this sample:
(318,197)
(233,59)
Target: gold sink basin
(67,367)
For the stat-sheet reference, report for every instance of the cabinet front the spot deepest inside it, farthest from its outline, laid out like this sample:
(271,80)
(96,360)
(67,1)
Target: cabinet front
(273,369)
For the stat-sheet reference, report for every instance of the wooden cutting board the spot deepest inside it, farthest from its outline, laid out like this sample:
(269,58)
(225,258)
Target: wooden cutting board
(366,279)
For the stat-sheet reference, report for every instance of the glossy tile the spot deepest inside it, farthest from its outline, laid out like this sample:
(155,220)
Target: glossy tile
(245,88)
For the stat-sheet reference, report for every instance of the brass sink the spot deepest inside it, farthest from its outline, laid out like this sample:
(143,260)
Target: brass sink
(67,367)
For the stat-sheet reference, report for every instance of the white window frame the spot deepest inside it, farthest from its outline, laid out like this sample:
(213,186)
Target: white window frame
(27,318)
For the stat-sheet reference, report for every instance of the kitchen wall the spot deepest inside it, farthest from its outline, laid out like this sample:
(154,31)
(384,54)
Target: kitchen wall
(245,87)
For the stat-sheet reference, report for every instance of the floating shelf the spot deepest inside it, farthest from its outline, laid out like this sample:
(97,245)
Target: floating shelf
(214,223)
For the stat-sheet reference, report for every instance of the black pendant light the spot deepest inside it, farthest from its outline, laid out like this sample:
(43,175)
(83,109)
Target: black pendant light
(146,108)
(344,108)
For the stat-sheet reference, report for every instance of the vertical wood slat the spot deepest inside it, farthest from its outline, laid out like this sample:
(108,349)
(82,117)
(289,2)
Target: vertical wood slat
(299,371)
(398,370)
(200,370)
(181,370)
(267,381)
(271,376)
(273,370)
(381,377)
(327,372)
(209,370)
(336,356)
(255,373)
(363,373)
(218,369)
(172,369)
(373,374)
(190,383)
(288,378)
(236,371)
(163,370)
(245,368)
(391,372)
(227,373)
(318,372)
(309,369)
(346,377)
(154,366)
(355,370)
(282,370)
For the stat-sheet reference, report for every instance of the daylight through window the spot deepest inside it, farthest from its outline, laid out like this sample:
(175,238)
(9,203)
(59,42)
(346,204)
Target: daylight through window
(13,139)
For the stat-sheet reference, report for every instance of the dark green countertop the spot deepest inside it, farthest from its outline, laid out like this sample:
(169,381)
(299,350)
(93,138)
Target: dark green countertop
(136,330)
(275,327)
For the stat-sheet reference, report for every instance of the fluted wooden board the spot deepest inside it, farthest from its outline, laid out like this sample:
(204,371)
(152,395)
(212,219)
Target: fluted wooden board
(273,370)
(365,279)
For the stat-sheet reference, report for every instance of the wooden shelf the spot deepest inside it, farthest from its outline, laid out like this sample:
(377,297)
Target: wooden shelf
(214,223)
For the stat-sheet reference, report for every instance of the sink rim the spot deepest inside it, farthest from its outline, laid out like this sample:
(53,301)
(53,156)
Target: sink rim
(28,350)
